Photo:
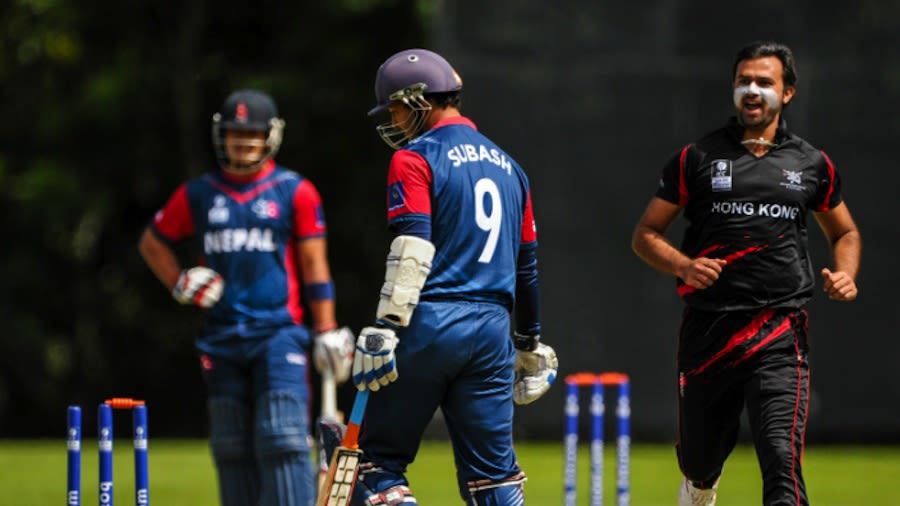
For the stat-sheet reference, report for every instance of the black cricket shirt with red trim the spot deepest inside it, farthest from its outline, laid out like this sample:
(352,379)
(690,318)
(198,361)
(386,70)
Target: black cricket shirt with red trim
(752,212)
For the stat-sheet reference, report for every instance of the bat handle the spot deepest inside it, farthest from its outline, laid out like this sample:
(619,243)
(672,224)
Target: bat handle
(356,415)
(329,396)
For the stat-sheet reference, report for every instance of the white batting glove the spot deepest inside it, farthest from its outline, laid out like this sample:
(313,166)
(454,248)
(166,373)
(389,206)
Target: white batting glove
(333,351)
(374,364)
(200,286)
(535,371)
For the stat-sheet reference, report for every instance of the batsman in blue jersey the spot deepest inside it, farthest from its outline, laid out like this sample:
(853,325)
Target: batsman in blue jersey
(462,260)
(261,230)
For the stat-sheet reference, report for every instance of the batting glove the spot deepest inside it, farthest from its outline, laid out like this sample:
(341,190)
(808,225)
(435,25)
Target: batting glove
(374,364)
(536,368)
(200,286)
(333,351)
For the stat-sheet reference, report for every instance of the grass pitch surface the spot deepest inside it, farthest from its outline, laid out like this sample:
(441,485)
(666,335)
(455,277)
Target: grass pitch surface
(181,473)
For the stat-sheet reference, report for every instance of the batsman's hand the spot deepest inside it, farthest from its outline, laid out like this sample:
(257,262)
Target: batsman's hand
(536,369)
(374,364)
(333,351)
(200,286)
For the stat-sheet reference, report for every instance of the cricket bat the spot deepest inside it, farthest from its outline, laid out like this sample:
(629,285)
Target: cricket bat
(337,488)
(329,397)
(330,413)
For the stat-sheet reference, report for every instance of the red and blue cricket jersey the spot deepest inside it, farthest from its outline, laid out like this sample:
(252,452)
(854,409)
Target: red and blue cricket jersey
(453,186)
(248,231)
(478,203)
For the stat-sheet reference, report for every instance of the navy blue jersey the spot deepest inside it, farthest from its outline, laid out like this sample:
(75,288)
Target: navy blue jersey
(752,213)
(248,231)
(477,200)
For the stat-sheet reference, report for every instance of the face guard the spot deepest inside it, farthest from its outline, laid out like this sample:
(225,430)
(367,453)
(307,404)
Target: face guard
(246,110)
(397,135)
(272,144)
(404,78)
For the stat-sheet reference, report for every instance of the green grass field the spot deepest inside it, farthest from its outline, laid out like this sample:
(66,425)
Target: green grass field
(181,473)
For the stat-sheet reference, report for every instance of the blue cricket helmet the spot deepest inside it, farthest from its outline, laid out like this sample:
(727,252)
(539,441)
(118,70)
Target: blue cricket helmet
(411,71)
(247,109)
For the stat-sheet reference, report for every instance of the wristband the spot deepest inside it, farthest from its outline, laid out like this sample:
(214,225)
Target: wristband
(526,343)
(319,291)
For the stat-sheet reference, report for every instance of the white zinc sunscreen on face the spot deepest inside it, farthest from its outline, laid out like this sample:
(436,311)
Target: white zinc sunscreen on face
(768,94)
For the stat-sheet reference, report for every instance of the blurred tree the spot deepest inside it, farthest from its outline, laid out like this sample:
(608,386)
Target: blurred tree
(106,107)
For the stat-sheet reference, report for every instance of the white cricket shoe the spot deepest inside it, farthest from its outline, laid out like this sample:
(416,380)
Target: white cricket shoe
(689,495)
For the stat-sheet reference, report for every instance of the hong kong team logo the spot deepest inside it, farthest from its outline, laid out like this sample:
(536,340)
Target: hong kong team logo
(793,179)
(793,176)
(720,170)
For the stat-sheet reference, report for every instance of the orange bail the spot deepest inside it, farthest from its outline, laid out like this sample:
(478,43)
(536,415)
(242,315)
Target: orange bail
(613,378)
(588,378)
(123,402)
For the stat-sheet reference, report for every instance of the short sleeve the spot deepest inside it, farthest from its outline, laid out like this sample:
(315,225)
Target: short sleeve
(828,194)
(672,187)
(174,221)
(309,214)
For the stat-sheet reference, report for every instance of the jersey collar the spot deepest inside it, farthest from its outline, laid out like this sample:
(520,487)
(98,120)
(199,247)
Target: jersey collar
(736,130)
(455,120)
(264,171)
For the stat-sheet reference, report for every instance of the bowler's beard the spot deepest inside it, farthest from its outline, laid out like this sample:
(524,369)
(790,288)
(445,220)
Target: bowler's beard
(760,122)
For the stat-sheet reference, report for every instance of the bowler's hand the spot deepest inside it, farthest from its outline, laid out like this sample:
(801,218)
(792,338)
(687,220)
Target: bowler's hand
(702,272)
(839,285)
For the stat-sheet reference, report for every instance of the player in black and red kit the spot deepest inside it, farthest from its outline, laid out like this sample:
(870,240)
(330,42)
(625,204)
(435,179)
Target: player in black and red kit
(745,274)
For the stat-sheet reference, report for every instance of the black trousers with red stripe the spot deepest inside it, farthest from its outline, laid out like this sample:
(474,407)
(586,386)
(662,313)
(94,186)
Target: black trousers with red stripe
(733,361)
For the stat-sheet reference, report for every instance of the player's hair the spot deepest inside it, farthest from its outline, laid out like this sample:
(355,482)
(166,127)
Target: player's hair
(762,48)
(444,100)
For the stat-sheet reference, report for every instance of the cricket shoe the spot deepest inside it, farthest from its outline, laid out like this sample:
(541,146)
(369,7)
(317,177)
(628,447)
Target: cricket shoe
(689,495)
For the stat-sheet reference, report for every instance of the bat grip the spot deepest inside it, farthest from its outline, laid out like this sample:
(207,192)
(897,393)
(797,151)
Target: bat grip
(356,416)
(329,396)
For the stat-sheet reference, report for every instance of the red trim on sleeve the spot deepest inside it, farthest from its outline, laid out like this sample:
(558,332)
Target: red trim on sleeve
(174,221)
(309,217)
(682,186)
(529,228)
(293,282)
(824,205)
(408,185)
